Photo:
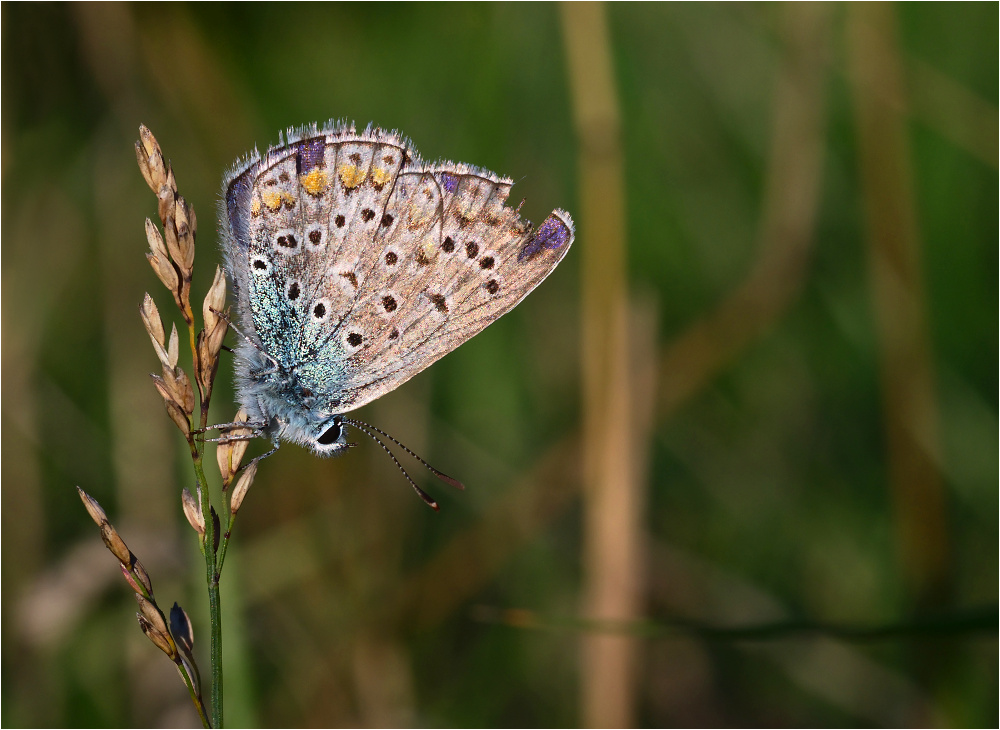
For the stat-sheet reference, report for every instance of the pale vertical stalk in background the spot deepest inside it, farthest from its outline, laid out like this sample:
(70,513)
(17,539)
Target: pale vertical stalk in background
(611,545)
(895,278)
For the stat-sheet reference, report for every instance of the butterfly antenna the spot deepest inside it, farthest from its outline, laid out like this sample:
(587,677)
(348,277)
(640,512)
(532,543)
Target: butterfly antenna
(439,474)
(420,492)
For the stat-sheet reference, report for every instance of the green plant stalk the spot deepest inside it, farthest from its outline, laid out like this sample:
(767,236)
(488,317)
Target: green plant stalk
(189,683)
(224,543)
(208,546)
(214,599)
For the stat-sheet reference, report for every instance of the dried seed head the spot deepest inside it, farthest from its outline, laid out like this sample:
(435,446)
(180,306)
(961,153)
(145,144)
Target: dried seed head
(172,254)
(217,335)
(180,388)
(162,354)
(205,364)
(115,543)
(149,144)
(173,348)
(184,223)
(229,454)
(210,339)
(192,510)
(176,413)
(240,446)
(171,182)
(173,244)
(214,338)
(164,208)
(151,319)
(155,240)
(140,572)
(192,221)
(162,387)
(175,388)
(182,378)
(138,578)
(93,508)
(224,457)
(165,272)
(242,485)
(159,258)
(151,613)
(142,157)
(215,302)
(166,351)
(131,580)
(162,641)
(150,159)
(181,628)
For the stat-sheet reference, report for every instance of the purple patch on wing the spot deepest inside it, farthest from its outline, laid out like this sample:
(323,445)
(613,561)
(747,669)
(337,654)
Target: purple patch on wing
(552,234)
(449,182)
(238,207)
(311,152)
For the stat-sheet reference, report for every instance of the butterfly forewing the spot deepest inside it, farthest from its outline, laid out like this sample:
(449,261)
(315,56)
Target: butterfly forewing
(455,283)
(361,179)
(274,266)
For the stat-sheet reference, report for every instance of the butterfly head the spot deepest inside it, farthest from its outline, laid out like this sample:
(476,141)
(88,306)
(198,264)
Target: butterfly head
(329,439)
(276,395)
(324,436)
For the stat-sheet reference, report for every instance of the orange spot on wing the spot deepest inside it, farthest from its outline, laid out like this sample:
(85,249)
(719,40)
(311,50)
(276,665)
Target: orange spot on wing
(380,176)
(352,176)
(315,182)
(272,199)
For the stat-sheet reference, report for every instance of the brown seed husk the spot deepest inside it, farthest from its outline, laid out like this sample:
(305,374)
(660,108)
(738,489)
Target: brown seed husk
(94,509)
(242,486)
(192,510)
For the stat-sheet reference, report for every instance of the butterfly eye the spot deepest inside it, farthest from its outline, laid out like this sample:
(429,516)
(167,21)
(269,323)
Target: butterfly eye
(330,435)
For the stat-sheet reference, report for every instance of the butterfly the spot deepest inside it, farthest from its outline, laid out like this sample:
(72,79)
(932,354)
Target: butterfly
(355,265)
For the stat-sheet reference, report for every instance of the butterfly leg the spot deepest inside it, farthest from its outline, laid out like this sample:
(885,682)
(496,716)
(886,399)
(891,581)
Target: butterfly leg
(236,437)
(231,426)
(274,447)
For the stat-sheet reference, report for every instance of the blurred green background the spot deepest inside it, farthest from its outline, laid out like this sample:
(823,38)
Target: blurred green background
(760,392)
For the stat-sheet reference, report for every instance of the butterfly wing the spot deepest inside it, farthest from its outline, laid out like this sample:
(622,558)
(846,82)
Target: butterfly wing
(298,220)
(356,266)
(452,259)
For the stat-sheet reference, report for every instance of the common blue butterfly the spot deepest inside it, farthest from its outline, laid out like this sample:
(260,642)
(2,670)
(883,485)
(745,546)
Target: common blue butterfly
(355,265)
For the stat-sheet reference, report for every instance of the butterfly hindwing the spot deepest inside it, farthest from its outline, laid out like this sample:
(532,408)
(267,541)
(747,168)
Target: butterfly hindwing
(458,275)
(385,274)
